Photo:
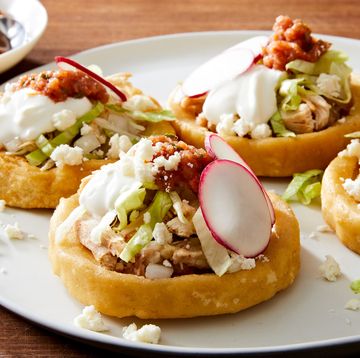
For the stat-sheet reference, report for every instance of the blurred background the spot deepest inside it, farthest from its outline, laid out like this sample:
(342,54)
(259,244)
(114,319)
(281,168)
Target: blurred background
(74,26)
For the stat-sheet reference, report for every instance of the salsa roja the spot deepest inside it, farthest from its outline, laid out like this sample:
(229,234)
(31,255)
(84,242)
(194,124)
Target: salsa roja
(59,85)
(292,40)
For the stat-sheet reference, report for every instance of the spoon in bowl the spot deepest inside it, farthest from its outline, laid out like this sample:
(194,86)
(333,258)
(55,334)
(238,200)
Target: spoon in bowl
(12,33)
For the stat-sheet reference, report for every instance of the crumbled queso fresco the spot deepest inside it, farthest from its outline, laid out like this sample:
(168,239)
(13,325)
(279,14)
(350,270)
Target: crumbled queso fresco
(352,187)
(330,269)
(352,150)
(118,144)
(353,304)
(230,125)
(64,154)
(14,232)
(149,333)
(90,319)
(329,84)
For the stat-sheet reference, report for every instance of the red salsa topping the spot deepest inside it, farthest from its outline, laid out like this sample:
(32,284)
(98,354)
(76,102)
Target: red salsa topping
(59,85)
(192,163)
(292,40)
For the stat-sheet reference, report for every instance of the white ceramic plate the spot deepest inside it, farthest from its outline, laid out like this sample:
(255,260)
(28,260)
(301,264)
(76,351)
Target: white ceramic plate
(33,16)
(310,314)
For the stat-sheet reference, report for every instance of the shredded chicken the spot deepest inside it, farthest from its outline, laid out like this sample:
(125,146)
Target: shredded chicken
(25,148)
(299,121)
(313,115)
(192,258)
(320,109)
(188,210)
(181,229)
(101,253)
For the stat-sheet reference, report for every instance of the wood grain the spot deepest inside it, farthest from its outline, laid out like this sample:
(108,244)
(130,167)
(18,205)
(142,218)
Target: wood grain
(78,25)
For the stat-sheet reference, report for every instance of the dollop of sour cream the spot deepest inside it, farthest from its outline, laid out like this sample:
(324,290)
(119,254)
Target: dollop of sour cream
(251,95)
(26,114)
(105,186)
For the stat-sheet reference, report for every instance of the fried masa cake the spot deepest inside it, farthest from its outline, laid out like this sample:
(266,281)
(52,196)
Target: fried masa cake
(156,260)
(59,126)
(286,113)
(340,196)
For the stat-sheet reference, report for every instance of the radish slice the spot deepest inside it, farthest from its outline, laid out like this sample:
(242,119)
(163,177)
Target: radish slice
(220,68)
(235,208)
(218,148)
(255,44)
(68,64)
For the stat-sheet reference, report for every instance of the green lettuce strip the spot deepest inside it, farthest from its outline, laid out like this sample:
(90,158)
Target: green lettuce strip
(130,200)
(355,286)
(332,63)
(354,135)
(151,116)
(304,187)
(322,65)
(46,147)
(157,210)
(278,126)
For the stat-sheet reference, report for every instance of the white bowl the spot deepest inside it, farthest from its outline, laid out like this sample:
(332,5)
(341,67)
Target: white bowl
(33,16)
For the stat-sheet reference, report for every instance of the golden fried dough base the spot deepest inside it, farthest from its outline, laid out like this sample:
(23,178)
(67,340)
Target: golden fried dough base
(121,295)
(279,157)
(339,209)
(25,186)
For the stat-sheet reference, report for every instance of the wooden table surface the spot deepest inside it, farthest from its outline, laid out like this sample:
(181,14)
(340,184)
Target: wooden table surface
(76,25)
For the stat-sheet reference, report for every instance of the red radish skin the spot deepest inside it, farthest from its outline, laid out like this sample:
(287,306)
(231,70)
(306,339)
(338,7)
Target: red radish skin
(234,208)
(68,64)
(198,95)
(221,68)
(218,148)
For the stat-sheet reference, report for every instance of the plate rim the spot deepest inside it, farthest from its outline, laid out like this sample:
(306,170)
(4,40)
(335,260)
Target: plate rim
(105,340)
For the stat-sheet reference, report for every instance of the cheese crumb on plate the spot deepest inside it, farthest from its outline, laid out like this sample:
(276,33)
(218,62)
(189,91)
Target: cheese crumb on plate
(330,269)
(14,232)
(353,304)
(90,319)
(149,333)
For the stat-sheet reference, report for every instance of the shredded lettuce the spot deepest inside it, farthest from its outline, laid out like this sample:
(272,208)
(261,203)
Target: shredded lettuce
(289,90)
(159,207)
(304,187)
(355,286)
(343,72)
(278,126)
(177,204)
(127,201)
(332,63)
(116,108)
(323,64)
(141,238)
(353,135)
(46,147)
(216,255)
(164,115)
(151,116)
(157,210)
